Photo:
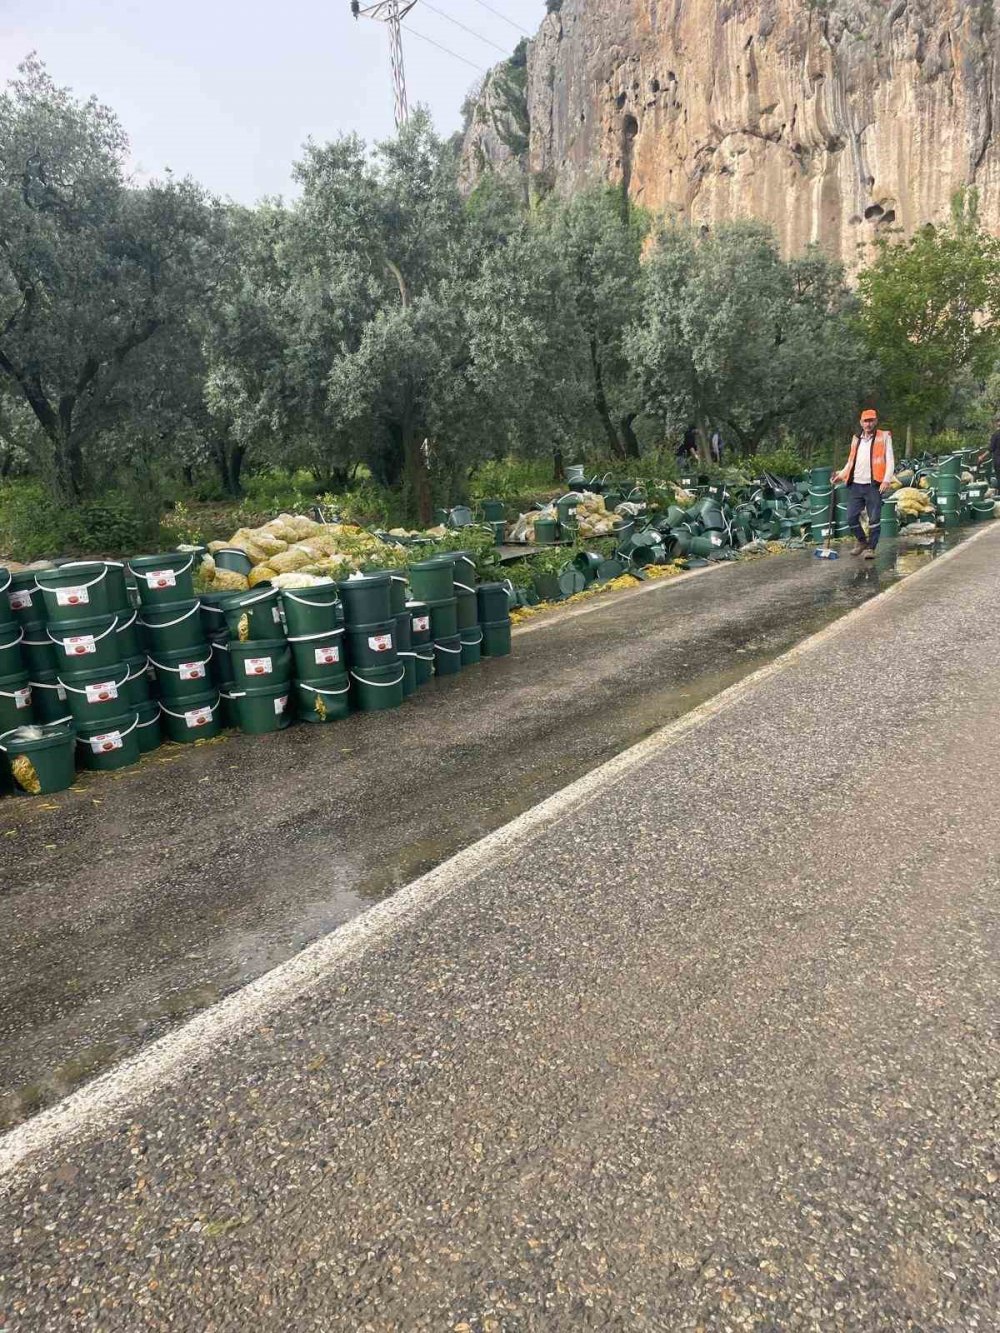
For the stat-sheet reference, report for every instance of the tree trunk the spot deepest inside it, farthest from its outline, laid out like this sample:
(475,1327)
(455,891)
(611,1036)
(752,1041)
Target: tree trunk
(68,463)
(601,402)
(558,466)
(417,477)
(229,464)
(704,449)
(629,442)
(909,439)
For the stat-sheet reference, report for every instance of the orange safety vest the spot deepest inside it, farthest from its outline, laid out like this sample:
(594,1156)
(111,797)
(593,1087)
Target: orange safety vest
(878,457)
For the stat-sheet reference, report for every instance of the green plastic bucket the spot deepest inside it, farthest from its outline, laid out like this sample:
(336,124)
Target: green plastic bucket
(117,586)
(6,614)
(397,589)
(323,700)
(12,658)
(493,601)
(183,675)
(499,532)
(138,687)
(547,587)
(404,632)
(310,611)
(48,698)
(24,598)
(608,569)
(40,759)
(707,545)
(366,599)
(947,504)
(433,580)
(75,591)
(467,608)
(233,559)
(129,640)
(261,663)
(420,623)
(85,645)
(196,719)
(448,656)
(213,618)
(149,732)
(444,618)
(951,466)
(571,581)
(464,563)
(546,531)
(889,520)
(496,639)
(15,701)
(423,663)
(493,511)
(587,562)
(982,510)
(110,744)
(319,657)
(945,485)
(253,615)
(378,688)
(263,708)
(163,579)
(372,645)
(173,628)
(472,645)
(95,697)
(409,662)
(222,667)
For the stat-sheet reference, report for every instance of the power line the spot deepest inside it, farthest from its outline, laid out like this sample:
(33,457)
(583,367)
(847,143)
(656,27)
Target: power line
(471,31)
(454,54)
(521,30)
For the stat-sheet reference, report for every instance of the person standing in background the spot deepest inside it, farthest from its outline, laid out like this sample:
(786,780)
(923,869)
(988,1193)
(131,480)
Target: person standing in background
(868,476)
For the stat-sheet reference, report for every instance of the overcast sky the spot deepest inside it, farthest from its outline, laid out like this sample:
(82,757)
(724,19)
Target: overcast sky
(227,92)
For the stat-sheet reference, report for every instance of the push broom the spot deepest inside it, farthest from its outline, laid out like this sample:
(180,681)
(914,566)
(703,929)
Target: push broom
(826,551)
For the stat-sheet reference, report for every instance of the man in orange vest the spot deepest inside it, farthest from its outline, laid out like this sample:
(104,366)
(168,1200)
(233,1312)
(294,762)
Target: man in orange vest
(868,475)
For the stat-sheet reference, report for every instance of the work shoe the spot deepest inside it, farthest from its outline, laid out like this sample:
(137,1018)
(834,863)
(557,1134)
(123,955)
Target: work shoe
(860,548)
(869,554)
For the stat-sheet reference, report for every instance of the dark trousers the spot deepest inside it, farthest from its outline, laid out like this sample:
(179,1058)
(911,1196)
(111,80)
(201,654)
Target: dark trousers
(861,496)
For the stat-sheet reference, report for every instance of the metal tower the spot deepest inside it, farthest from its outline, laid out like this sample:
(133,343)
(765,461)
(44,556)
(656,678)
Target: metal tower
(391,13)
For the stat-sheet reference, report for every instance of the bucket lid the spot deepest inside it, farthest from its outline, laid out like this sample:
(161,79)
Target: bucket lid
(37,736)
(365,581)
(166,560)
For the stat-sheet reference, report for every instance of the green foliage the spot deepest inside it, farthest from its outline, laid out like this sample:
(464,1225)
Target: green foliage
(513,480)
(783,461)
(35,524)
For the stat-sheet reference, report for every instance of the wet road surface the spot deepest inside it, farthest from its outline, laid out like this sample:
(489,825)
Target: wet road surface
(150,894)
(714,1048)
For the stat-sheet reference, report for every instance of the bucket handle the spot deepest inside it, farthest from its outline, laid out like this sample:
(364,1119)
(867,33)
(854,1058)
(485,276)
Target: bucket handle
(127,624)
(11,694)
(423,658)
(382,685)
(85,740)
(180,716)
(75,564)
(140,575)
(10,579)
(13,643)
(73,689)
(176,670)
(169,624)
(152,721)
(308,638)
(473,643)
(304,601)
(44,685)
(97,637)
(313,690)
(464,586)
(260,597)
(440,648)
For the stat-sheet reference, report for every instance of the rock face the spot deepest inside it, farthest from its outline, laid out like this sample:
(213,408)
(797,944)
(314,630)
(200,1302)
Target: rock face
(830,119)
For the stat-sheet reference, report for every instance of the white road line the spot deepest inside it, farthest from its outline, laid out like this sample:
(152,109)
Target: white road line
(119,1091)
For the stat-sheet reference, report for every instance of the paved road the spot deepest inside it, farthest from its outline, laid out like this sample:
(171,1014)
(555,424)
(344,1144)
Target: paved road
(148,896)
(712,1043)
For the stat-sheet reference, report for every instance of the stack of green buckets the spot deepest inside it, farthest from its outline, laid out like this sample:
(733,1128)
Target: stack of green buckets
(258,659)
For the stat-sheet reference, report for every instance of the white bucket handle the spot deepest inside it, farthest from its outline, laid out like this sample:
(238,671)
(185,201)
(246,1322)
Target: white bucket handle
(308,638)
(10,579)
(85,740)
(14,642)
(127,624)
(464,586)
(181,717)
(75,564)
(195,661)
(73,689)
(140,574)
(169,624)
(313,690)
(473,643)
(382,685)
(440,648)
(252,601)
(152,721)
(425,657)
(304,601)
(96,637)
(44,685)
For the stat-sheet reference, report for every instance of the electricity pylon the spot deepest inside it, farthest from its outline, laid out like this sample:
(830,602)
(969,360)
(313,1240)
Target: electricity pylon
(391,13)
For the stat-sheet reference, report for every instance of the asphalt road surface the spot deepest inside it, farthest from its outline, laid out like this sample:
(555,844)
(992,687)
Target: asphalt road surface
(709,1040)
(130,905)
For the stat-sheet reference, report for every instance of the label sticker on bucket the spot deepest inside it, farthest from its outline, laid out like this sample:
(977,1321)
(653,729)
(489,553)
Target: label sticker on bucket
(257,666)
(78,644)
(102,693)
(380,643)
(72,596)
(277,615)
(280,705)
(198,717)
(60,693)
(107,741)
(421,623)
(22,697)
(191,670)
(20,600)
(161,578)
(327,656)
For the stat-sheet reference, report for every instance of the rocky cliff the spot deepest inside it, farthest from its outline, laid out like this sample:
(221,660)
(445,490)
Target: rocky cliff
(830,119)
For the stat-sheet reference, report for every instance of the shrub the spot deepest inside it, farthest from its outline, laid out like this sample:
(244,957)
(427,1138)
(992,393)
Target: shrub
(34,524)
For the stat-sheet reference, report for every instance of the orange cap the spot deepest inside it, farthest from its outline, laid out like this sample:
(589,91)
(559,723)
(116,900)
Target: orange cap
(869,415)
